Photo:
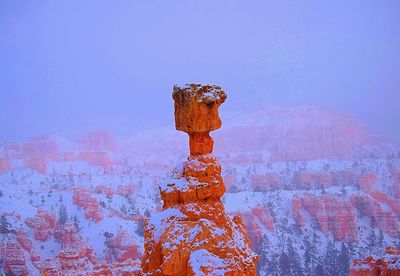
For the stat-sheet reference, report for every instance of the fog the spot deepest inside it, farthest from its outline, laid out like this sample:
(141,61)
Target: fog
(71,66)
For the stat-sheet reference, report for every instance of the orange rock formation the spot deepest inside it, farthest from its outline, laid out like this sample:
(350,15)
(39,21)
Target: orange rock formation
(193,235)
(389,265)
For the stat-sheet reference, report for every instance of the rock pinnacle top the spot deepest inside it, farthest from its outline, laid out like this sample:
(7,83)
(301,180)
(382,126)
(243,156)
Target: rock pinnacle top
(196,107)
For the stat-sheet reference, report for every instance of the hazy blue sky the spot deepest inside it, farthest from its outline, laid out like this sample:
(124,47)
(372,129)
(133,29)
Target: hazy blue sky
(68,65)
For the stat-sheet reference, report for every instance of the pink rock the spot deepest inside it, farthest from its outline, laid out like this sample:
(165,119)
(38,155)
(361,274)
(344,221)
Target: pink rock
(15,262)
(96,158)
(98,141)
(331,213)
(23,239)
(266,182)
(124,247)
(43,224)
(5,165)
(82,198)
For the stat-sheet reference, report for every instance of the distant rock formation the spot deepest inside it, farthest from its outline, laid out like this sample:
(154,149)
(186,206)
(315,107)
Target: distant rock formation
(332,214)
(193,235)
(388,265)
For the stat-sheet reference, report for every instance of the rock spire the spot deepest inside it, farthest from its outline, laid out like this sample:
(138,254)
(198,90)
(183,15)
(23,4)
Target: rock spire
(193,235)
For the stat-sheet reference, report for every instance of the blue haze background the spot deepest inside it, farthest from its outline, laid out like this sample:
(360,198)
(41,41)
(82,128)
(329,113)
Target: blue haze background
(68,66)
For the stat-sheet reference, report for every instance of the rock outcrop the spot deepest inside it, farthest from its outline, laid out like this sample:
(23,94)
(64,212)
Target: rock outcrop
(379,218)
(82,198)
(193,235)
(43,225)
(388,265)
(121,248)
(331,213)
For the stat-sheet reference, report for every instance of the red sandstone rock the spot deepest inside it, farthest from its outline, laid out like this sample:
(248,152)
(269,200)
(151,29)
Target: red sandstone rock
(266,182)
(256,222)
(331,213)
(383,220)
(98,141)
(36,163)
(105,190)
(75,253)
(69,156)
(82,198)
(366,181)
(96,158)
(124,248)
(127,268)
(264,217)
(388,265)
(35,259)
(23,239)
(43,224)
(196,113)
(125,190)
(5,165)
(384,198)
(14,262)
(196,107)
(311,180)
(193,235)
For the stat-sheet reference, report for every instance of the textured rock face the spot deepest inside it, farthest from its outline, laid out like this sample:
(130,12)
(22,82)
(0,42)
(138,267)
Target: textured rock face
(332,214)
(193,235)
(196,113)
(389,264)
(384,220)
(257,221)
(82,198)
(123,248)
(43,224)
(14,263)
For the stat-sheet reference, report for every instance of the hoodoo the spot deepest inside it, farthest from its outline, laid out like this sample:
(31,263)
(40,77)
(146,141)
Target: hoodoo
(193,235)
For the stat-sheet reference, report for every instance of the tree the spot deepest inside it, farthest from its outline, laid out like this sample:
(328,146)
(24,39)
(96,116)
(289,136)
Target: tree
(77,224)
(372,242)
(4,226)
(273,265)
(123,209)
(140,227)
(294,259)
(319,270)
(343,260)
(330,261)
(109,245)
(381,239)
(261,250)
(284,264)
(147,213)
(309,256)
(62,214)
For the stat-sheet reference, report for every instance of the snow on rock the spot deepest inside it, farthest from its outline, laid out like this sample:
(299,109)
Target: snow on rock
(386,221)
(202,262)
(194,235)
(331,213)
(389,264)
(14,258)
(122,247)
(82,198)
(43,224)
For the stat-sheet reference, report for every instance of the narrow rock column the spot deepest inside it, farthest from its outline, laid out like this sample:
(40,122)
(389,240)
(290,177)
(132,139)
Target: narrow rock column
(193,235)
